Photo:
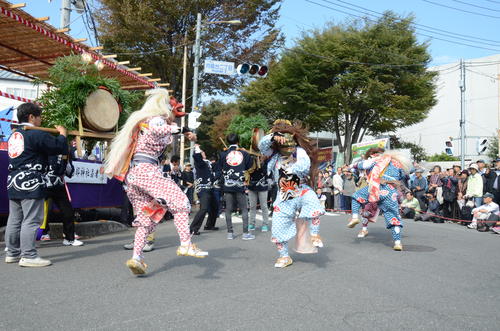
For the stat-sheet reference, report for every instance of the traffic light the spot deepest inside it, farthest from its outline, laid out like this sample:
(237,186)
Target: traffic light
(481,145)
(252,70)
(449,148)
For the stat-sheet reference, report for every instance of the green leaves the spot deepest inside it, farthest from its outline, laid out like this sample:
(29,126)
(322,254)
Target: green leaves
(73,81)
(359,78)
(244,125)
(152,34)
(442,157)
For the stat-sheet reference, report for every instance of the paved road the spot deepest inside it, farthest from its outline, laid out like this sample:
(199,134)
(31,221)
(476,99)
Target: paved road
(446,279)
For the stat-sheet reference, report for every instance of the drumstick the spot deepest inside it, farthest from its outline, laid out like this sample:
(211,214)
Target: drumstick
(225,146)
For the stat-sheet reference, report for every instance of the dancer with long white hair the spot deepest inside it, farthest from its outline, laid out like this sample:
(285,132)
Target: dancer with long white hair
(134,157)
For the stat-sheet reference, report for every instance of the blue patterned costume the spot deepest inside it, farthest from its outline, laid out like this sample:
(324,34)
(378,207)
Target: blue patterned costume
(305,204)
(388,202)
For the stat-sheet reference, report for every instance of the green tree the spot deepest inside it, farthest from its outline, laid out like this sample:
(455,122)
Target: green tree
(492,150)
(417,152)
(150,33)
(244,125)
(218,129)
(209,117)
(359,78)
(442,157)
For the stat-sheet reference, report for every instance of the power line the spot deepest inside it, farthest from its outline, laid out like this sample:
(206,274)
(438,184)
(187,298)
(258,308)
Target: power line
(419,33)
(94,28)
(461,10)
(482,74)
(472,5)
(452,68)
(155,51)
(474,38)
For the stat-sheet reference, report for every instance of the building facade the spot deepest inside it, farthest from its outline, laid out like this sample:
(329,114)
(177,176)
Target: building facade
(482,107)
(17,85)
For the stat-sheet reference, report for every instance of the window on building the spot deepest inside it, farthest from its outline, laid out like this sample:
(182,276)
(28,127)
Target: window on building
(22,92)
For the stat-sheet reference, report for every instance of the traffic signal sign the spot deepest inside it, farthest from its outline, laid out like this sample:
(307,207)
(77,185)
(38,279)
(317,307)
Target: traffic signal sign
(481,145)
(252,70)
(449,148)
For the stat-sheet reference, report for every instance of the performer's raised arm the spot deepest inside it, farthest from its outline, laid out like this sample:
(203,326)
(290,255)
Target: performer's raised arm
(303,164)
(265,145)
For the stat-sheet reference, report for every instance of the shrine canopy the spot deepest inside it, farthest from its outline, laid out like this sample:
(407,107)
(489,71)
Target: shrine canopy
(29,47)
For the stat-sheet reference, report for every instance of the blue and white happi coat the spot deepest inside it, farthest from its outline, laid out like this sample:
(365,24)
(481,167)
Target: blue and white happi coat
(388,202)
(305,204)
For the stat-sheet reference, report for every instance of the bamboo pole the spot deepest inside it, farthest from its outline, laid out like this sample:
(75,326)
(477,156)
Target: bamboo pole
(17,5)
(75,133)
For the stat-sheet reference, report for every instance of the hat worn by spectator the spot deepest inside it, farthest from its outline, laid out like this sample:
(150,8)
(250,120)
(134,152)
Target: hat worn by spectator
(464,172)
(419,170)
(497,159)
(488,195)
(474,166)
(480,161)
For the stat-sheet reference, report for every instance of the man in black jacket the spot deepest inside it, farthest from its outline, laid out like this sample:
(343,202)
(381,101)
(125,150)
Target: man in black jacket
(231,168)
(60,166)
(28,154)
(204,189)
(188,182)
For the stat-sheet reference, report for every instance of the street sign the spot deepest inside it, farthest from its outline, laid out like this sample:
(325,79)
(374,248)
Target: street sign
(193,120)
(219,67)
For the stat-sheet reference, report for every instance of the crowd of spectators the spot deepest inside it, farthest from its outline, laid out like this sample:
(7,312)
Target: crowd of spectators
(469,196)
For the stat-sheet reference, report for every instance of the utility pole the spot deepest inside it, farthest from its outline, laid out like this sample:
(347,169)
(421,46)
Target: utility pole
(498,130)
(462,114)
(184,80)
(196,67)
(65,13)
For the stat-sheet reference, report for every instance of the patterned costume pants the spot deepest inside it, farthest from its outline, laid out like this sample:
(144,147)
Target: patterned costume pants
(388,204)
(307,206)
(147,189)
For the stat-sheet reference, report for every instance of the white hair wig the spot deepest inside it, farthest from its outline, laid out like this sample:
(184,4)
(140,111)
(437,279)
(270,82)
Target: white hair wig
(401,157)
(157,104)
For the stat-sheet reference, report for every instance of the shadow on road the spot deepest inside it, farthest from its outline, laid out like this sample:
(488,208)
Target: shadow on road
(211,265)
(321,259)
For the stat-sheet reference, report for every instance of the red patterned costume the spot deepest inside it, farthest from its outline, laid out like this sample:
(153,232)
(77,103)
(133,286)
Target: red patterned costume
(134,157)
(149,192)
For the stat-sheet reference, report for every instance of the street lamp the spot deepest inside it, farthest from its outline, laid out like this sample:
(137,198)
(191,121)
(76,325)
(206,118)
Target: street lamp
(196,65)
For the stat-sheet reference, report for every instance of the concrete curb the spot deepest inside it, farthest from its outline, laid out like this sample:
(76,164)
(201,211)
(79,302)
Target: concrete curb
(84,229)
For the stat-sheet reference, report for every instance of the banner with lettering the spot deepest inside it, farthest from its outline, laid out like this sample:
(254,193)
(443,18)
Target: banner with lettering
(87,173)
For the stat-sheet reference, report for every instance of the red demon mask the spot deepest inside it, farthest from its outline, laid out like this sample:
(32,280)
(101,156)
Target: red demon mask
(176,107)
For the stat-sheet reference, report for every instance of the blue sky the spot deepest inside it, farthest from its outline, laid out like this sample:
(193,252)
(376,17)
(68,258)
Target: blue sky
(466,21)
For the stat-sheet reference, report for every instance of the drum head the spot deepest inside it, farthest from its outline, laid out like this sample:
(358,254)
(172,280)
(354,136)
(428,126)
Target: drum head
(101,111)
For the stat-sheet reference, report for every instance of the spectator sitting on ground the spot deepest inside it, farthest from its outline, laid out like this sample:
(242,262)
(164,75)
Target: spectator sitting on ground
(484,211)
(410,206)
(433,209)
